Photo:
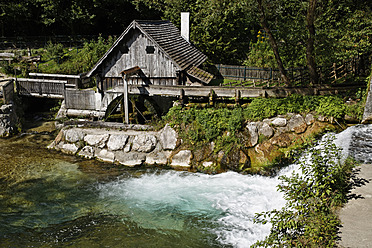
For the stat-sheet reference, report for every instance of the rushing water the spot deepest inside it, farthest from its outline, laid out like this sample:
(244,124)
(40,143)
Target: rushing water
(49,199)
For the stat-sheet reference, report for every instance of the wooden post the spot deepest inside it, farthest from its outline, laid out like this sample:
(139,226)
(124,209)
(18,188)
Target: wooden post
(211,97)
(237,97)
(126,104)
(182,97)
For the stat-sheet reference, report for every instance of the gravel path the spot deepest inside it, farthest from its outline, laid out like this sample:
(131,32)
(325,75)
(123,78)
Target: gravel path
(356,215)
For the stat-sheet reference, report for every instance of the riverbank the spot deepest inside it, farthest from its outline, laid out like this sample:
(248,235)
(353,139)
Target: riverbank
(356,215)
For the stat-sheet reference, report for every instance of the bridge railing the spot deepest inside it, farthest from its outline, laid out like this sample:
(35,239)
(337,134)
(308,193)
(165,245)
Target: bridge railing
(41,87)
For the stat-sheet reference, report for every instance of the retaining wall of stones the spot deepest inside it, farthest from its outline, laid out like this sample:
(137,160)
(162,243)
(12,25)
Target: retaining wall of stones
(260,143)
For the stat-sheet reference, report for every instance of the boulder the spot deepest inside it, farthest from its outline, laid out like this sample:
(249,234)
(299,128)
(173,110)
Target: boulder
(309,119)
(168,138)
(297,124)
(182,159)
(279,122)
(235,160)
(97,140)
(253,133)
(106,156)
(128,147)
(69,148)
(282,140)
(6,109)
(158,158)
(322,118)
(144,143)
(87,152)
(117,141)
(74,135)
(207,164)
(266,130)
(130,159)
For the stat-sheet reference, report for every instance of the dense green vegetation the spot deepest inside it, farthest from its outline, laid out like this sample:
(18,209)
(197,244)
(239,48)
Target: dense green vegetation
(229,32)
(309,217)
(56,58)
(201,125)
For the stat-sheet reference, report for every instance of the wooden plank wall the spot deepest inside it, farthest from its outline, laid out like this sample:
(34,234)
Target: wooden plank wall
(153,65)
(27,86)
(80,99)
(112,82)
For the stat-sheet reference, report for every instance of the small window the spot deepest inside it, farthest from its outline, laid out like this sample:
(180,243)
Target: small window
(150,49)
(124,49)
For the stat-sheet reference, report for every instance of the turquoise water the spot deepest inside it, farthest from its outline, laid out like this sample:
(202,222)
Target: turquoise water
(54,200)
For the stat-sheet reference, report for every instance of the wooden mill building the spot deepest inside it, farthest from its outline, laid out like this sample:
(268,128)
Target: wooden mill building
(159,54)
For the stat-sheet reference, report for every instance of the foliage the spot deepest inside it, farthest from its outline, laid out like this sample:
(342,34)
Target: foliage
(261,53)
(308,218)
(206,125)
(68,17)
(222,29)
(62,60)
(261,108)
(331,106)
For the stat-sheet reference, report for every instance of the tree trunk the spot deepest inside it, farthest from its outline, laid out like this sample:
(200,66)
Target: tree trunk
(273,44)
(310,57)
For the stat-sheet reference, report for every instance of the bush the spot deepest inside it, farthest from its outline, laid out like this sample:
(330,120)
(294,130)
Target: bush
(206,125)
(308,219)
(261,108)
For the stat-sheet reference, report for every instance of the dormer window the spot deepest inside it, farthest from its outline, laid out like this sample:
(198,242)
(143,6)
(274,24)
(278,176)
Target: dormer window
(150,49)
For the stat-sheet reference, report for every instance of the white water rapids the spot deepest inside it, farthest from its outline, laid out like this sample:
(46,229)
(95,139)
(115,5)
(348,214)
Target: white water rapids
(229,200)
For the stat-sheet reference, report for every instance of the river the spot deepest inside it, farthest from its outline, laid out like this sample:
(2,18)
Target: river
(49,199)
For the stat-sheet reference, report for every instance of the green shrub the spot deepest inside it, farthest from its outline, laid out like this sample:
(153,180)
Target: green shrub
(206,125)
(331,106)
(261,108)
(308,218)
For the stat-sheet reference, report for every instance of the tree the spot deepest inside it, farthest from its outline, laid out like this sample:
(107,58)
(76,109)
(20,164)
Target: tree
(222,29)
(273,43)
(310,54)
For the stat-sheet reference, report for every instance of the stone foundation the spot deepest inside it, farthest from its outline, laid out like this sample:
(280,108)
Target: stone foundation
(260,143)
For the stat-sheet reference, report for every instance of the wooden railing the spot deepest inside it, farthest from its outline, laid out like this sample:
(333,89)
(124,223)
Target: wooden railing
(41,87)
(251,76)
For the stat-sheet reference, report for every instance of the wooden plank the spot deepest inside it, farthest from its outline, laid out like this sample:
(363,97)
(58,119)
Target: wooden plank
(54,75)
(34,80)
(194,91)
(80,99)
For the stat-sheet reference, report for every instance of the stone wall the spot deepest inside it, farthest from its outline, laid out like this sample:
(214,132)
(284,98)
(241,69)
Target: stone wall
(8,120)
(129,148)
(260,143)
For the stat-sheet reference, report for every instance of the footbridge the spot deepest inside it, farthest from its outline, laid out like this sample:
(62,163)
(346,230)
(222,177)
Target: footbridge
(92,103)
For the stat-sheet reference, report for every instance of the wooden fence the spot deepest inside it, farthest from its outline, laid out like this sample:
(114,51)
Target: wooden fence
(41,87)
(329,74)
(73,81)
(80,99)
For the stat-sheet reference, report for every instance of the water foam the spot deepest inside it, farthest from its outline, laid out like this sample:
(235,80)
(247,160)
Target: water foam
(229,201)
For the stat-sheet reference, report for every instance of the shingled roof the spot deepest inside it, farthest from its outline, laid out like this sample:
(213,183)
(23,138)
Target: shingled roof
(185,56)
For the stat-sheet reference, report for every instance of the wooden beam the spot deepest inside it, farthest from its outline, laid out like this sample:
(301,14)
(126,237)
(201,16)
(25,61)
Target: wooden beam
(54,75)
(130,71)
(126,100)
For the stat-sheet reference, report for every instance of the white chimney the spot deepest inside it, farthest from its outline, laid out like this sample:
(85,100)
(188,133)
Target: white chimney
(185,25)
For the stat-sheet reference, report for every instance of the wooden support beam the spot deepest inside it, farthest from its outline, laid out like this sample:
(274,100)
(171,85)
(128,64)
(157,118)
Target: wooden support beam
(126,99)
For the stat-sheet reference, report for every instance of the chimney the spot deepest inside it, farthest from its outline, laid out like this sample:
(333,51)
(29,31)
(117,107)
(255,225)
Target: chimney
(185,25)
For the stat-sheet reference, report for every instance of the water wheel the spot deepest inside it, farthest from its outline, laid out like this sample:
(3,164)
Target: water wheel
(142,109)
